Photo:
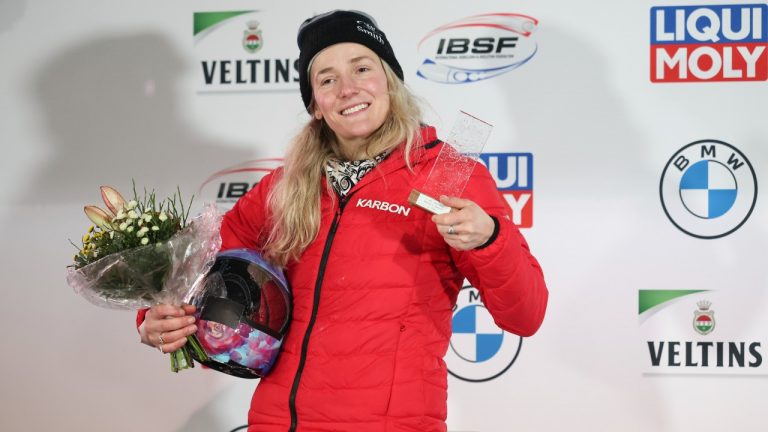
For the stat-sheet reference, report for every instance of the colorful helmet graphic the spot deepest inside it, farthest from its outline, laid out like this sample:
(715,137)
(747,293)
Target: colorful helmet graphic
(244,307)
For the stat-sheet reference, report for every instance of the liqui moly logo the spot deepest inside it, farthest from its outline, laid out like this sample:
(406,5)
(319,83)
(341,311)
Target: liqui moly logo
(513,173)
(709,43)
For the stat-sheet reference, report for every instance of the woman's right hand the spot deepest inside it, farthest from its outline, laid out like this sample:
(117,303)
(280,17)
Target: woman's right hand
(166,327)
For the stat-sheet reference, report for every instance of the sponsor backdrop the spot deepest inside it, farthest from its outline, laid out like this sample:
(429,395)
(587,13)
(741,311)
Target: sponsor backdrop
(639,126)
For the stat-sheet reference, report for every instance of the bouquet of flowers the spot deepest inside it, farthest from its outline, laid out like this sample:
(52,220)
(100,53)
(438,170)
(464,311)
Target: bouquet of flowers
(142,252)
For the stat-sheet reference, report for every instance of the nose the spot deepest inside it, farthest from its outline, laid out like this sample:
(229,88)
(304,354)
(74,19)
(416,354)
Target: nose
(347,87)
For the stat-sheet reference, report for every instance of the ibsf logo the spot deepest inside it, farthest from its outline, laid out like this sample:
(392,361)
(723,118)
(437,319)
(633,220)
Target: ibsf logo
(708,189)
(226,186)
(709,43)
(513,173)
(479,350)
(477,48)
(704,318)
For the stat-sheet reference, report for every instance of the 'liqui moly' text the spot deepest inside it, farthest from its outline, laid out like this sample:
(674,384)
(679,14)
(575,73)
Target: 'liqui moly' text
(709,43)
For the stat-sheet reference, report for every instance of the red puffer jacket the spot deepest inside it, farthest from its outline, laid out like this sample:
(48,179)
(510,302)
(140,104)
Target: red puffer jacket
(373,298)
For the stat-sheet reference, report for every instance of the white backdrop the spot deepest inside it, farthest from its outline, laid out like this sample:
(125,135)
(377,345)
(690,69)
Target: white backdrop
(102,92)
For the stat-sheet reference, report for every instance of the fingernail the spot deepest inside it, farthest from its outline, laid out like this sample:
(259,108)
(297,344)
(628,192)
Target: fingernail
(190,320)
(191,329)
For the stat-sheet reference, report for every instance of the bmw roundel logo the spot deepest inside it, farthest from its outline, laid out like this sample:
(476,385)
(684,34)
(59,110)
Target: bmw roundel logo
(479,350)
(708,189)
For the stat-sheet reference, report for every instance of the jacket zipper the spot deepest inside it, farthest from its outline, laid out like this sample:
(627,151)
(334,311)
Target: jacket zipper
(313,316)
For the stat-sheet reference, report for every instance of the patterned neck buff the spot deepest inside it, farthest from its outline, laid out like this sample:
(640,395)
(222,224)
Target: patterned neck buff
(345,174)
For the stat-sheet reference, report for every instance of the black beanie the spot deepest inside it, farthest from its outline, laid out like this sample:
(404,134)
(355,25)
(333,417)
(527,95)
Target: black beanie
(322,31)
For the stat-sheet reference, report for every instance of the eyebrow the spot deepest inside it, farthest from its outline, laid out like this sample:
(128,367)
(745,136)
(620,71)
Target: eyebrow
(351,61)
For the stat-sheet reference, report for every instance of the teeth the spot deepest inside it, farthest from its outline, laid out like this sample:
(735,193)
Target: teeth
(354,109)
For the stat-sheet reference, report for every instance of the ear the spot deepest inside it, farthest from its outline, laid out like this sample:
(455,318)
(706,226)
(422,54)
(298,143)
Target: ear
(318,114)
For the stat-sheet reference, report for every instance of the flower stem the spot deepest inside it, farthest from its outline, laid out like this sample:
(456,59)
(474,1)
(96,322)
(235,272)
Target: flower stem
(174,363)
(194,344)
(182,357)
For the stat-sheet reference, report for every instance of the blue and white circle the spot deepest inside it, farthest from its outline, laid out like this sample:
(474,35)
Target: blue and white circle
(708,189)
(479,350)
(476,338)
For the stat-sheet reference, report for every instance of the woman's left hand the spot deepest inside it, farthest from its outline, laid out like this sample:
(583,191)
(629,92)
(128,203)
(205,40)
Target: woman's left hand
(466,227)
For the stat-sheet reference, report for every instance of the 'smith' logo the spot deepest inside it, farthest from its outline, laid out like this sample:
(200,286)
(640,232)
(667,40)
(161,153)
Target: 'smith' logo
(709,43)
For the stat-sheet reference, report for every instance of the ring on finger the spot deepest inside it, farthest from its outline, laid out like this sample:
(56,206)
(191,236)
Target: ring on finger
(160,338)
(160,347)
(451,231)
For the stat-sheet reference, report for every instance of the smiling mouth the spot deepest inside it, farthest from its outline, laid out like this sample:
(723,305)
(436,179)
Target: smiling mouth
(354,109)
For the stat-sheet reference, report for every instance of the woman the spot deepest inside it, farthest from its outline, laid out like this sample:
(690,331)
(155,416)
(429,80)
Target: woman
(374,279)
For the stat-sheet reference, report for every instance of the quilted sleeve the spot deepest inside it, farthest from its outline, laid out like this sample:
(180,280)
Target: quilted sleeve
(244,226)
(509,278)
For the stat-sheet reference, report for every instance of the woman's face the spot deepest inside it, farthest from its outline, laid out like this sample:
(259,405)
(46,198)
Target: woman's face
(350,92)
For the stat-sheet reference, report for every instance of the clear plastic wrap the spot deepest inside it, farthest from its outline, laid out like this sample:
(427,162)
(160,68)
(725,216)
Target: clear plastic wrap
(164,272)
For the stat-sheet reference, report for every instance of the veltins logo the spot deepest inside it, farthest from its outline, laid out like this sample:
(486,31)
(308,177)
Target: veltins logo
(226,186)
(479,350)
(672,343)
(477,48)
(708,189)
(513,173)
(233,56)
(709,43)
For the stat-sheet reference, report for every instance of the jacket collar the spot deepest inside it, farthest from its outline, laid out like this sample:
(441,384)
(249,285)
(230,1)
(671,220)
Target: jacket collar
(425,149)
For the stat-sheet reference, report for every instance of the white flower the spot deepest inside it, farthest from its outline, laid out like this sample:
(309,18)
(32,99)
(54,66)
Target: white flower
(131,204)
(163,217)
(130,229)
(132,214)
(147,217)
(145,240)
(142,231)
(155,228)
(123,226)
(120,214)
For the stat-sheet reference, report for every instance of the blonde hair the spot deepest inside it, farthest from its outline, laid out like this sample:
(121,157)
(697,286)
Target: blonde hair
(294,201)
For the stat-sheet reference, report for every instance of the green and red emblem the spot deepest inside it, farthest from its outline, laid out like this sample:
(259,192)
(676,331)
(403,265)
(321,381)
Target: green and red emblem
(704,318)
(252,38)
